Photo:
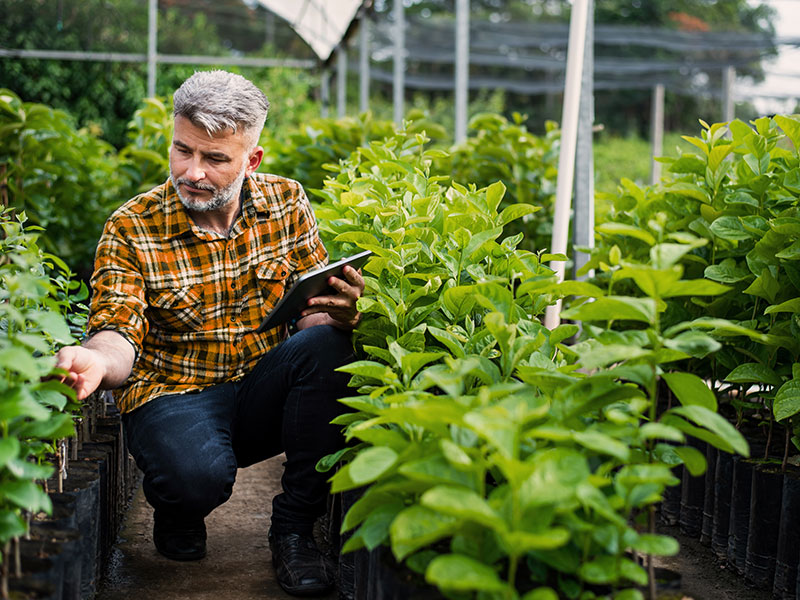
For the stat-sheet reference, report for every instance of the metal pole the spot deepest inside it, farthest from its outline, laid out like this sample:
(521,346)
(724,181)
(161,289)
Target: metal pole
(363,65)
(583,219)
(341,80)
(462,68)
(728,79)
(399,60)
(152,41)
(566,158)
(325,92)
(657,131)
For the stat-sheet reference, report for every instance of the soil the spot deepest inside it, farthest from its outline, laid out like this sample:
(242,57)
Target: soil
(238,565)
(702,576)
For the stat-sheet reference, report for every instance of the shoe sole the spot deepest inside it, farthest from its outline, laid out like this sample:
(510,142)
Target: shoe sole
(182,557)
(303,591)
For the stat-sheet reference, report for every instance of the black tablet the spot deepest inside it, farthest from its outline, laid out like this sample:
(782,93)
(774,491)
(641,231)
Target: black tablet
(314,283)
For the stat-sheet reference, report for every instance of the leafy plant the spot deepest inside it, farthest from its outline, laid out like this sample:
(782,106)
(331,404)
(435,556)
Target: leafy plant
(489,461)
(66,180)
(36,292)
(738,195)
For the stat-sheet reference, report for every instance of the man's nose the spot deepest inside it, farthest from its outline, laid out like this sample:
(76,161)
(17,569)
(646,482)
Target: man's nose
(195,170)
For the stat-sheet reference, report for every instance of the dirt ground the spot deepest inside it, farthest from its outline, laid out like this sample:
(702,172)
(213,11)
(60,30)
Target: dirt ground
(238,565)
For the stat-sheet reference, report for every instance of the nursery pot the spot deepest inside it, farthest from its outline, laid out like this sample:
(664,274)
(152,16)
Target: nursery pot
(788,552)
(709,500)
(671,500)
(765,519)
(64,546)
(692,495)
(390,580)
(723,481)
(740,513)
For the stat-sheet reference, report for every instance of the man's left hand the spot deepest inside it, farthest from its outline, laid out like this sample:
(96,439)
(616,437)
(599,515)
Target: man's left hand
(340,309)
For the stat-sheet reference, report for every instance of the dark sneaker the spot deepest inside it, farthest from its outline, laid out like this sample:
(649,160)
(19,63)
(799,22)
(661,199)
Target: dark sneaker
(178,539)
(300,567)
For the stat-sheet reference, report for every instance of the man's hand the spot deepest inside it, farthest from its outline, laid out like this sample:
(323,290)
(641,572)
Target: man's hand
(85,369)
(341,308)
(104,361)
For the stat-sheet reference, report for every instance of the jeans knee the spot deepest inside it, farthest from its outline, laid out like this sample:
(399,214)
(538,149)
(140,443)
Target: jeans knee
(193,486)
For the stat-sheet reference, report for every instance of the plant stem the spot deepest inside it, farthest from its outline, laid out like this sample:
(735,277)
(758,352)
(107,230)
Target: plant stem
(651,569)
(4,571)
(787,439)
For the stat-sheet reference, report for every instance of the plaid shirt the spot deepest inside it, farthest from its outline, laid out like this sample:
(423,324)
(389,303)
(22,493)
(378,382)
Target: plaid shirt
(188,300)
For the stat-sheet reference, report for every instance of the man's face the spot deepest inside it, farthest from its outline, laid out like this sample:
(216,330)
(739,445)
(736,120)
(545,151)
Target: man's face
(207,171)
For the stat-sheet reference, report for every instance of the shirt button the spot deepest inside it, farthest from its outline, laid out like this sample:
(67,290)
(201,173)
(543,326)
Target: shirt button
(233,319)
(233,285)
(283,273)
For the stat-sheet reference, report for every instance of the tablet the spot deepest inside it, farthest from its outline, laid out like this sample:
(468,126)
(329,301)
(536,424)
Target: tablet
(314,283)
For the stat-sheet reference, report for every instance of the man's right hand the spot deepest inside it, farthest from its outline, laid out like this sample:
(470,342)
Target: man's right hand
(104,361)
(85,369)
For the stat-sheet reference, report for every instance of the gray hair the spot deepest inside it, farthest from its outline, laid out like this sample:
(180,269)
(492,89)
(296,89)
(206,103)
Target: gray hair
(219,100)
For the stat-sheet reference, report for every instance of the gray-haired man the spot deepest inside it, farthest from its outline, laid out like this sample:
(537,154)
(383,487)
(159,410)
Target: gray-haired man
(183,276)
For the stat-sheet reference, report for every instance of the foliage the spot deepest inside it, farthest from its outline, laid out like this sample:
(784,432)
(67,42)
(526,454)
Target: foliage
(735,198)
(306,151)
(36,293)
(499,150)
(488,460)
(65,179)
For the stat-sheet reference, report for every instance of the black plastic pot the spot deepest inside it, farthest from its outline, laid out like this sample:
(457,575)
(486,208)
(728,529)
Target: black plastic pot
(765,517)
(784,585)
(63,545)
(39,567)
(670,509)
(83,483)
(27,589)
(692,497)
(739,525)
(392,581)
(723,482)
(709,500)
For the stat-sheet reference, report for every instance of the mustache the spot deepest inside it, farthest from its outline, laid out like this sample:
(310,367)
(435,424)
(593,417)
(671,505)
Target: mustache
(195,184)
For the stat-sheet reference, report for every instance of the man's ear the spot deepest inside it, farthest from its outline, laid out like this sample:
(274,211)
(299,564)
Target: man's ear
(254,160)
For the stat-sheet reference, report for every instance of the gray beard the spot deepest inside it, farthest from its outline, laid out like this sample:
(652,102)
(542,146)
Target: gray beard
(219,197)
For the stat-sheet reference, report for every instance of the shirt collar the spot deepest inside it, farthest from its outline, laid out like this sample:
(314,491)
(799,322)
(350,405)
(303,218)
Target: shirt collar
(177,221)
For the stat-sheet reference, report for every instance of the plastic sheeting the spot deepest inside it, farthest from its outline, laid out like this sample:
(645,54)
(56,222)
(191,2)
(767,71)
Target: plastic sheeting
(321,23)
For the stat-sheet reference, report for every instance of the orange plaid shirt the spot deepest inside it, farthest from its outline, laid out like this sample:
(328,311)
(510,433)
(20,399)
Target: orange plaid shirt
(188,300)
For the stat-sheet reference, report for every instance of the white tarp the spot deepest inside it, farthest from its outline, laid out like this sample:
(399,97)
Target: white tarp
(321,23)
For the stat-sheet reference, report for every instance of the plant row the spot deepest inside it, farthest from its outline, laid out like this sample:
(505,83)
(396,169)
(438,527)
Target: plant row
(492,456)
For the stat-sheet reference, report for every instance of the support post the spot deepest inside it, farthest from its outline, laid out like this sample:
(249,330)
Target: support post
(325,92)
(152,42)
(566,158)
(363,65)
(583,219)
(656,132)
(728,79)
(341,80)
(399,60)
(462,69)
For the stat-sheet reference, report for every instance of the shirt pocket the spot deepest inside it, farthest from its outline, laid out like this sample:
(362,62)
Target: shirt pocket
(176,309)
(272,279)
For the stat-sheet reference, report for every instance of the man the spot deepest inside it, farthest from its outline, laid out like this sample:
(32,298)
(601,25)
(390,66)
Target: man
(183,276)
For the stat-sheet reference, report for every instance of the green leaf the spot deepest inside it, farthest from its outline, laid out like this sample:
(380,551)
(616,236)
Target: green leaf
(9,449)
(787,400)
(727,271)
(26,495)
(714,423)
(614,308)
(612,228)
(541,593)
(494,194)
(693,343)
(693,459)
(658,545)
(463,504)
(694,287)
(515,211)
(729,228)
(691,390)
(416,527)
(462,573)
(754,373)
(792,306)
(11,525)
(371,463)
(520,542)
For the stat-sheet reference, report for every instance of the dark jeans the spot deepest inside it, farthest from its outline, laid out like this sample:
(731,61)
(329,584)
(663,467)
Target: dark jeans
(189,446)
